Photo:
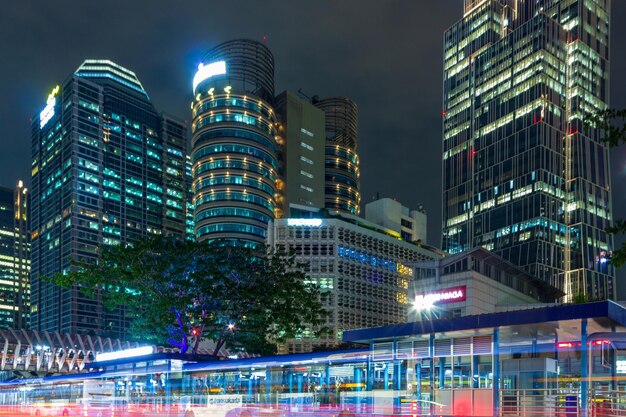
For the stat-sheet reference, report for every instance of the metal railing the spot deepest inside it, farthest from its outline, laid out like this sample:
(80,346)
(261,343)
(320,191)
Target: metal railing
(559,402)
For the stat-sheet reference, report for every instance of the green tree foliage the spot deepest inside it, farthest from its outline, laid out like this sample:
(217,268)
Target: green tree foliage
(182,292)
(612,126)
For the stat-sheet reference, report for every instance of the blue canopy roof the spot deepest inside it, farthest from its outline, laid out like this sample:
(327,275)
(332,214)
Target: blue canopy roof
(541,314)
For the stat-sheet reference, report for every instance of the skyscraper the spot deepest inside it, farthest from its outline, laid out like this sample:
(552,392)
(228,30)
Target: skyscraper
(106,169)
(235,144)
(342,190)
(14,258)
(522,176)
(256,157)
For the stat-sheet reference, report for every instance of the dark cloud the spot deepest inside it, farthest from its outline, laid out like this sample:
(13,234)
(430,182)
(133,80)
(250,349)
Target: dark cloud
(385,55)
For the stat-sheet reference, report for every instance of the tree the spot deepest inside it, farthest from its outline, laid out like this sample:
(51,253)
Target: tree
(612,126)
(182,292)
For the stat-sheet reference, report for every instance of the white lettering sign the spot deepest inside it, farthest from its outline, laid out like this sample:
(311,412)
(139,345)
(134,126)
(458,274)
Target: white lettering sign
(225,400)
(304,222)
(208,71)
(48,112)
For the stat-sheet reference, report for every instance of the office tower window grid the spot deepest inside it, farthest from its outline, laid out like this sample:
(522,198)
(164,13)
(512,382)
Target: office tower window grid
(106,169)
(365,272)
(522,175)
(14,258)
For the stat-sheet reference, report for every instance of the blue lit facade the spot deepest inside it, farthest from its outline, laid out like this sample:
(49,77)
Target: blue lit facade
(106,169)
(235,144)
(522,176)
(365,258)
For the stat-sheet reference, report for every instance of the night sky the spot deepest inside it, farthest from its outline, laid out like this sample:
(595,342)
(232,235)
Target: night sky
(384,55)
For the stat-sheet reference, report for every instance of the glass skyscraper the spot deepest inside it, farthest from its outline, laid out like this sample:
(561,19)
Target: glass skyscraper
(342,189)
(256,157)
(235,144)
(522,176)
(106,169)
(14,258)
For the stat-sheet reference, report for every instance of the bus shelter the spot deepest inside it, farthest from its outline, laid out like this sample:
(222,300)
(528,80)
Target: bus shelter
(563,360)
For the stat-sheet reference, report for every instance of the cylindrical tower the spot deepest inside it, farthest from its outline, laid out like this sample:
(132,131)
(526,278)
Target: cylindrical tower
(234,143)
(341,160)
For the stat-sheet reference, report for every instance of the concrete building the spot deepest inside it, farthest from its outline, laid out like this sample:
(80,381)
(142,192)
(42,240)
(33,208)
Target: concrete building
(14,258)
(106,169)
(522,175)
(363,267)
(302,126)
(473,282)
(390,214)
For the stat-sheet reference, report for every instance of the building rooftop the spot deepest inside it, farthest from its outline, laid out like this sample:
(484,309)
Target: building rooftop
(104,68)
(499,263)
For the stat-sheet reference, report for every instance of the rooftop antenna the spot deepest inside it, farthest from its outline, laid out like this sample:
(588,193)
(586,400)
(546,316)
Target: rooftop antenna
(313,99)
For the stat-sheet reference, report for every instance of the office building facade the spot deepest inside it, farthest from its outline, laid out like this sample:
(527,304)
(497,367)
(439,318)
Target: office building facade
(363,267)
(471,283)
(303,155)
(522,176)
(106,169)
(14,258)
(342,189)
(235,144)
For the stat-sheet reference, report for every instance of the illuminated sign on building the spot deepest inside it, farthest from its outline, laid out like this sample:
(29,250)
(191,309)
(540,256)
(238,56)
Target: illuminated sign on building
(48,112)
(448,295)
(304,222)
(208,71)
(127,353)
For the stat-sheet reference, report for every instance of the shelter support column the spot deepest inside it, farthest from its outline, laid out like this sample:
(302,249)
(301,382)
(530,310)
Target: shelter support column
(496,372)
(584,369)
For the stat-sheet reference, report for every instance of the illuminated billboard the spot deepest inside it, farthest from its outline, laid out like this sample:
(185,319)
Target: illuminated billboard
(208,71)
(445,296)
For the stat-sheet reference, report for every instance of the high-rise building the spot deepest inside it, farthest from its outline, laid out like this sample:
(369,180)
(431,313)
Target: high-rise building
(302,127)
(14,258)
(363,267)
(106,169)
(256,157)
(235,144)
(522,176)
(342,190)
